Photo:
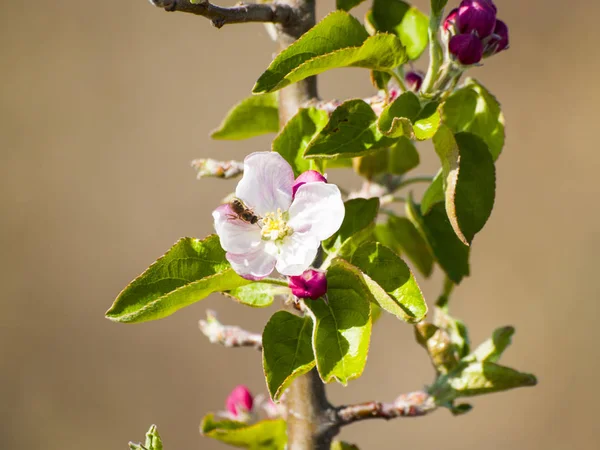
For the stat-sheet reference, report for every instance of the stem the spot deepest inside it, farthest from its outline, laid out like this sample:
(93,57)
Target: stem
(435,52)
(308,425)
(442,301)
(399,79)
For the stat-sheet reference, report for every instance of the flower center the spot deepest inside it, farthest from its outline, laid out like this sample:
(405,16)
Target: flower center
(274,226)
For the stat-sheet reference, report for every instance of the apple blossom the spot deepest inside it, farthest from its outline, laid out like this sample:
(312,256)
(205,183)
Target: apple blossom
(290,227)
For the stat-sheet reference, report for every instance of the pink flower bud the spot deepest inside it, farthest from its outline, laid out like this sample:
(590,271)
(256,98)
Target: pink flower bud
(239,401)
(309,176)
(467,48)
(501,30)
(450,21)
(311,284)
(414,80)
(478,16)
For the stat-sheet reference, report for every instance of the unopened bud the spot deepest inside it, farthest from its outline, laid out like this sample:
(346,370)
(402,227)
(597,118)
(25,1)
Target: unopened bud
(467,48)
(476,16)
(414,80)
(311,284)
(501,30)
(239,402)
(310,176)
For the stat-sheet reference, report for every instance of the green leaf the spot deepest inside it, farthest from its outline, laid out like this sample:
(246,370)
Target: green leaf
(434,193)
(263,435)
(257,295)
(351,131)
(470,181)
(380,80)
(396,118)
(347,5)
(336,31)
(478,378)
(405,116)
(190,271)
(153,441)
(360,214)
(341,445)
(403,157)
(427,122)
(296,134)
(460,409)
(407,22)
(435,228)
(391,282)
(371,164)
(251,117)
(339,40)
(287,350)
(492,349)
(342,325)
(472,108)
(402,236)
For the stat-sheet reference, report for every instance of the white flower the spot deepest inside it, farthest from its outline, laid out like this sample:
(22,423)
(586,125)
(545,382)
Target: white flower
(289,229)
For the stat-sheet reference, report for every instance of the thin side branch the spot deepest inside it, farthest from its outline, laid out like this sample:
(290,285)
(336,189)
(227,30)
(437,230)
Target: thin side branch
(229,336)
(414,404)
(241,13)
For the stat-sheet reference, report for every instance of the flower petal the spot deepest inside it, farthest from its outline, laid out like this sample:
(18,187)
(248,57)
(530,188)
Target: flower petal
(267,182)
(253,265)
(296,254)
(236,235)
(318,209)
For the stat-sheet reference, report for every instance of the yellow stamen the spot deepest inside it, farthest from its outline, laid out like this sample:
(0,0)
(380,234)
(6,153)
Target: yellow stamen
(274,226)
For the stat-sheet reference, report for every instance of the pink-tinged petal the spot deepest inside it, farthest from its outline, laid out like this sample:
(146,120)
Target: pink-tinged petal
(296,254)
(267,183)
(311,284)
(307,177)
(254,265)
(236,236)
(240,401)
(318,210)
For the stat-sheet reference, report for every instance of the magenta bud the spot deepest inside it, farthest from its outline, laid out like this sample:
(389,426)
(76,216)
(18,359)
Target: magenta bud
(311,284)
(450,21)
(239,401)
(414,80)
(501,30)
(310,176)
(467,48)
(478,16)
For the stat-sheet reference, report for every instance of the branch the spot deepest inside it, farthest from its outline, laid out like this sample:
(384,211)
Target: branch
(414,404)
(241,13)
(229,336)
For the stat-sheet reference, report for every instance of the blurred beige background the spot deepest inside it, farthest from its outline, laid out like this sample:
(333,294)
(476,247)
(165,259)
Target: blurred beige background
(103,105)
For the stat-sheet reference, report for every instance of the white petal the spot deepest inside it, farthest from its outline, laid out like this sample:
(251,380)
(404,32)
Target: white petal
(267,182)
(252,265)
(235,235)
(318,209)
(296,254)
